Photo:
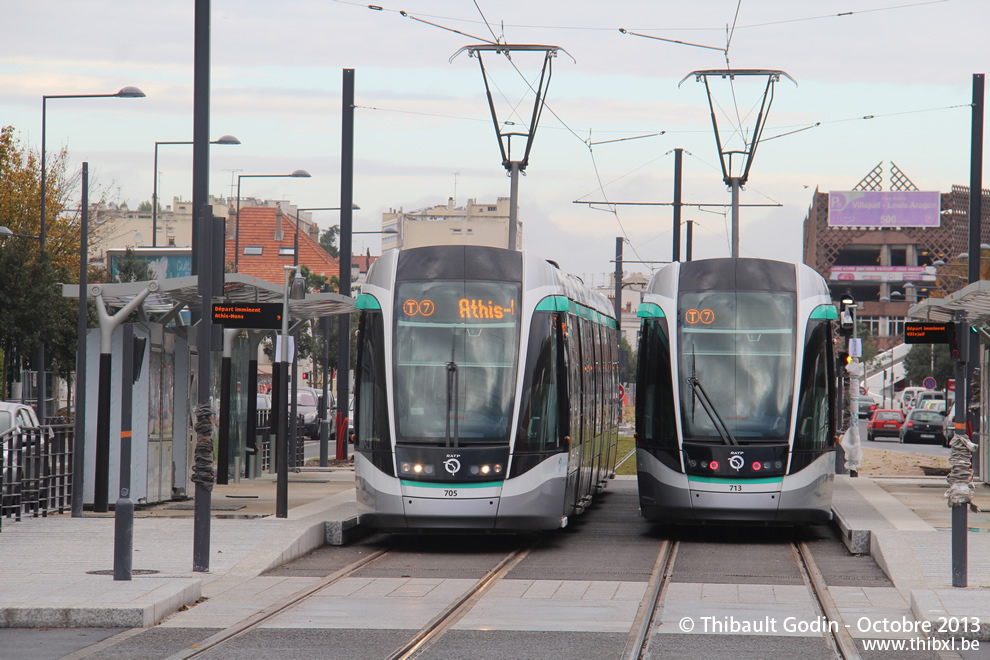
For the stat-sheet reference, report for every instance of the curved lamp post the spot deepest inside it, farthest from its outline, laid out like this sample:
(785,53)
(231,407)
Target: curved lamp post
(225,139)
(129,92)
(297,174)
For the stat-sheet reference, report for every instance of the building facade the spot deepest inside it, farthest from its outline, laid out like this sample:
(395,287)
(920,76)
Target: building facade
(888,269)
(447,224)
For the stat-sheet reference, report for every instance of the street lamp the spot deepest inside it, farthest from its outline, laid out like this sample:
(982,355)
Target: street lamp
(128,92)
(6,233)
(297,291)
(226,139)
(297,174)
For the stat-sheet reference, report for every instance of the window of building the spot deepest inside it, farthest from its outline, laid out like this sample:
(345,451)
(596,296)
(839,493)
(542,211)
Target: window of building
(492,209)
(286,251)
(455,231)
(253,250)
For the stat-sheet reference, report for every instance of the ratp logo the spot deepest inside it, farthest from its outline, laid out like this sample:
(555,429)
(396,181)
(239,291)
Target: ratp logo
(452,465)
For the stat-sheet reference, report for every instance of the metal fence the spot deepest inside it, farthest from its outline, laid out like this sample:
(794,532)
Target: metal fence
(36,467)
(264,442)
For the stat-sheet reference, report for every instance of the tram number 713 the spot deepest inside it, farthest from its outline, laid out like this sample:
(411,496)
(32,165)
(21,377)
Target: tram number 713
(735,488)
(450,493)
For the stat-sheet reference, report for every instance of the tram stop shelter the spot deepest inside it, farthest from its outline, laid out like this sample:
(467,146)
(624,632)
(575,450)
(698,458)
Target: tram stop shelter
(973,301)
(165,393)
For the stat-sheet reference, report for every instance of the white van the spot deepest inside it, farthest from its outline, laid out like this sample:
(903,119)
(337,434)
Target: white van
(908,397)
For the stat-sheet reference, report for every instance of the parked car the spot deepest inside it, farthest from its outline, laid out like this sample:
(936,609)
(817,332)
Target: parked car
(884,422)
(923,426)
(264,401)
(908,397)
(16,415)
(308,409)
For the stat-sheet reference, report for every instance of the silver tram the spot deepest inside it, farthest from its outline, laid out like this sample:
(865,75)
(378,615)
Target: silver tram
(486,392)
(735,393)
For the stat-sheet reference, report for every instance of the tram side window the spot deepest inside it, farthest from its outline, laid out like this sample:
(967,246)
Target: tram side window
(814,424)
(540,417)
(655,391)
(371,425)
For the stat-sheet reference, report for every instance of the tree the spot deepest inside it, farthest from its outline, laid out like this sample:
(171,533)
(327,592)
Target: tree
(919,360)
(145,207)
(131,268)
(33,309)
(627,359)
(328,241)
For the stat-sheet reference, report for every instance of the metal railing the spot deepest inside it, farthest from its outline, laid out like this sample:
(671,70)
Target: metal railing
(36,471)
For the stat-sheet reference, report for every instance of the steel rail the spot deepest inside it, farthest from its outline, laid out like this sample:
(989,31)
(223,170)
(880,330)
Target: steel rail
(286,603)
(840,639)
(656,588)
(453,613)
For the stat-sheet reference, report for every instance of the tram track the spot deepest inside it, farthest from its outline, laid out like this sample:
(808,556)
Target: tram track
(646,625)
(416,645)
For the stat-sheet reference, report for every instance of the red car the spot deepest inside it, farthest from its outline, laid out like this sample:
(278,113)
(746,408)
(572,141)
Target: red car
(884,421)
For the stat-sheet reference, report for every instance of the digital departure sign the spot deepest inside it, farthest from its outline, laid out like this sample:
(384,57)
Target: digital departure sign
(459,308)
(929,333)
(250,316)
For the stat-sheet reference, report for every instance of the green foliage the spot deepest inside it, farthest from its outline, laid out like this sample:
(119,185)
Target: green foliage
(145,207)
(328,241)
(628,361)
(314,282)
(32,309)
(132,269)
(919,360)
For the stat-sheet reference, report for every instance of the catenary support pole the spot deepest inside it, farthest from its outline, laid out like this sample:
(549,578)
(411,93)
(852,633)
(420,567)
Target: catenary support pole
(513,202)
(735,183)
(690,240)
(618,288)
(79,439)
(346,213)
(678,156)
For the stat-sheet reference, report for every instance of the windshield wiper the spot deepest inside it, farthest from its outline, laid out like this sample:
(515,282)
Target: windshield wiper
(452,383)
(706,403)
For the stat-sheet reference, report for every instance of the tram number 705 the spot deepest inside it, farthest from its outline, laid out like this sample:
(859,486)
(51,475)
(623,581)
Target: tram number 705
(450,493)
(735,488)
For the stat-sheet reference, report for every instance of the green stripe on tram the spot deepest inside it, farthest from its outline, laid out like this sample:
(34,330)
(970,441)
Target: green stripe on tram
(650,311)
(449,485)
(826,313)
(734,480)
(554,304)
(366,301)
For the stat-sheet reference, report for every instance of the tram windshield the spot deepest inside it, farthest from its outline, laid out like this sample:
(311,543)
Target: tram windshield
(739,347)
(456,345)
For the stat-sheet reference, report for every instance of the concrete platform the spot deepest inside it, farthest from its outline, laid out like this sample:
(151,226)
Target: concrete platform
(915,553)
(58,571)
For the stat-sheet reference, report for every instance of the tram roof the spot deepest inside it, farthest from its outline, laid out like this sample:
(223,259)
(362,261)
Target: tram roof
(973,300)
(239,288)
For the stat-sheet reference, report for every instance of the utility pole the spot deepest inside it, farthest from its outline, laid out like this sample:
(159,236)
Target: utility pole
(676,254)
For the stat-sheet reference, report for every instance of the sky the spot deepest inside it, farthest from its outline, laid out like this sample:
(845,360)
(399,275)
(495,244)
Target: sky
(615,111)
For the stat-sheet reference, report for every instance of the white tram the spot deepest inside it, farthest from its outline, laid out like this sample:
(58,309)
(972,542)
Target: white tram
(736,393)
(486,392)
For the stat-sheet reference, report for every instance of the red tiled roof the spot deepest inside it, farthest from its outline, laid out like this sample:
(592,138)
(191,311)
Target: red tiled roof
(363,262)
(257,229)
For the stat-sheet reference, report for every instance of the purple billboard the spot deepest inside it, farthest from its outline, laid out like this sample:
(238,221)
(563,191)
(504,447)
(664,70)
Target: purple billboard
(883,209)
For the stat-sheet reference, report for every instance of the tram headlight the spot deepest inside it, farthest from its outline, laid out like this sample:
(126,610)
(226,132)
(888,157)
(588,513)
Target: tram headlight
(498,468)
(406,467)
(418,469)
(474,469)
(757,466)
(485,469)
(713,465)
